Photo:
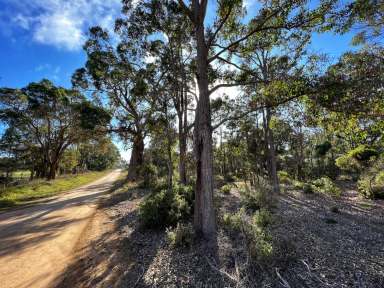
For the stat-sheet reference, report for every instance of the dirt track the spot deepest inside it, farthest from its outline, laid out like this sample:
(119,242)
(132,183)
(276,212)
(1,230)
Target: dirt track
(37,242)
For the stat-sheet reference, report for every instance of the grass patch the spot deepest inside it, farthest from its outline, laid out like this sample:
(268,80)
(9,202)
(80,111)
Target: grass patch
(13,196)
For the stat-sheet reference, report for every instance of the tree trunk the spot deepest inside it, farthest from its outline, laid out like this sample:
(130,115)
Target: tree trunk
(272,156)
(204,218)
(170,162)
(52,171)
(182,151)
(136,158)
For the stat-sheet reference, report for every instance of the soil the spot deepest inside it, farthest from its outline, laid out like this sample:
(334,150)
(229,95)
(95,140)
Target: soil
(37,242)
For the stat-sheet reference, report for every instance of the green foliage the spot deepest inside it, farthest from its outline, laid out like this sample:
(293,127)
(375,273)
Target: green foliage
(326,186)
(69,160)
(371,183)
(284,177)
(322,149)
(229,177)
(167,207)
(348,164)
(98,155)
(356,159)
(180,236)
(262,218)
(149,174)
(256,197)
(234,221)
(363,153)
(226,189)
(258,238)
(307,188)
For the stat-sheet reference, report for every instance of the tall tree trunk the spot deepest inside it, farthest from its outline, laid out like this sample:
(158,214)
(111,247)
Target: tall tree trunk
(272,155)
(52,170)
(169,162)
(204,218)
(136,157)
(182,151)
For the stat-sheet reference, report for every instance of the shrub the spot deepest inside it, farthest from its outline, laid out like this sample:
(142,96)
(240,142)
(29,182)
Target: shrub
(298,184)
(372,186)
(148,172)
(258,239)
(181,235)
(256,197)
(262,218)
(167,207)
(229,177)
(325,185)
(363,153)
(348,164)
(226,189)
(284,177)
(356,159)
(322,149)
(307,188)
(234,221)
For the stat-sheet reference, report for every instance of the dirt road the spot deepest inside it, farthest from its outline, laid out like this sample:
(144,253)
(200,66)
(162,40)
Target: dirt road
(36,243)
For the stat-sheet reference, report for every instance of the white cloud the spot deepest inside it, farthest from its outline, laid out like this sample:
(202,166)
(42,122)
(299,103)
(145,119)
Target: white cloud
(63,23)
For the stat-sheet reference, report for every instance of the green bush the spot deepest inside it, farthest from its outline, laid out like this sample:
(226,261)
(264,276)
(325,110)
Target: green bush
(372,186)
(226,189)
(307,188)
(257,196)
(284,177)
(181,235)
(322,149)
(167,207)
(298,184)
(234,221)
(148,172)
(325,185)
(262,218)
(363,153)
(371,183)
(258,239)
(229,177)
(356,159)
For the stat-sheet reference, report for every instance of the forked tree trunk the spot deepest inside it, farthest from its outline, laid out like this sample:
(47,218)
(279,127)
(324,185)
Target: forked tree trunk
(204,218)
(136,158)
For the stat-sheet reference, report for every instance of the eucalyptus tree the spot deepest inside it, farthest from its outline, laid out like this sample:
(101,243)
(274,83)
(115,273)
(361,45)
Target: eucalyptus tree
(47,120)
(349,99)
(212,43)
(274,59)
(175,60)
(214,39)
(120,75)
(366,17)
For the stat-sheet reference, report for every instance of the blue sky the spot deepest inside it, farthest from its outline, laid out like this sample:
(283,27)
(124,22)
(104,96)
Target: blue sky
(43,38)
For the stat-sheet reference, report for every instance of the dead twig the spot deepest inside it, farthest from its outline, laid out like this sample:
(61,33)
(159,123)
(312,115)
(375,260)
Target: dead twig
(140,277)
(313,275)
(222,271)
(283,281)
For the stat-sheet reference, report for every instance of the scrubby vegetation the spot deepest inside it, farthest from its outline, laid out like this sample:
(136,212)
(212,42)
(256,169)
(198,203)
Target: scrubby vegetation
(166,207)
(288,154)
